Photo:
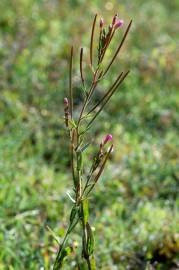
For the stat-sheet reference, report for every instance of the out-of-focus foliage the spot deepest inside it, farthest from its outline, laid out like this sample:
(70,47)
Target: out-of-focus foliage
(136,204)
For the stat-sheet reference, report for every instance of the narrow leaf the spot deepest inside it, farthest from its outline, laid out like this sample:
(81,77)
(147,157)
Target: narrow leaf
(85,209)
(72,123)
(79,160)
(81,67)
(73,214)
(70,197)
(74,218)
(103,164)
(100,170)
(53,234)
(59,263)
(90,239)
(107,99)
(84,147)
(107,93)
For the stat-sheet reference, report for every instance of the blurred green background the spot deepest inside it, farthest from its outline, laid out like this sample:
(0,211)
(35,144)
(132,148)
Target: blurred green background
(135,206)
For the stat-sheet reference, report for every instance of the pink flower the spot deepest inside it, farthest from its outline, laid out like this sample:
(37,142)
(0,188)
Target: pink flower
(65,101)
(101,23)
(118,24)
(107,138)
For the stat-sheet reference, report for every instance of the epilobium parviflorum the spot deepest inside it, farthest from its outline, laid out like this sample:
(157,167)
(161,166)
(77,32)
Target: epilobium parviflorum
(85,179)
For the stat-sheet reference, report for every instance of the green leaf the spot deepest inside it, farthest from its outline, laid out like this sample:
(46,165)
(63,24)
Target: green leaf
(72,123)
(90,239)
(74,218)
(85,210)
(73,213)
(93,263)
(84,147)
(59,263)
(79,160)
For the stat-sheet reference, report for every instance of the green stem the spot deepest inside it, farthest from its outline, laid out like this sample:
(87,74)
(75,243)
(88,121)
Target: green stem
(56,264)
(88,263)
(72,157)
(84,243)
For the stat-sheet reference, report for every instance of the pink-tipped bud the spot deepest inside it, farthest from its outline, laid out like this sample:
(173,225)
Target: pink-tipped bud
(107,138)
(114,19)
(65,101)
(101,23)
(119,23)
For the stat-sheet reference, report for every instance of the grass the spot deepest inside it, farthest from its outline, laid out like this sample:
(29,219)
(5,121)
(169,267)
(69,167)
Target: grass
(135,208)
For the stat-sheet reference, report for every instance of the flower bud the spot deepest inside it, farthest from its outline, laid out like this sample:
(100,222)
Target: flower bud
(107,138)
(65,101)
(118,24)
(114,19)
(101,23)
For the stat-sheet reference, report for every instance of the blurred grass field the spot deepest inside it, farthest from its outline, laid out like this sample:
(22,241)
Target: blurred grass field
(135,207)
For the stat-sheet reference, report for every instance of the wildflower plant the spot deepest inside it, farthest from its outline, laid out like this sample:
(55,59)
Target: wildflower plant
(85,179)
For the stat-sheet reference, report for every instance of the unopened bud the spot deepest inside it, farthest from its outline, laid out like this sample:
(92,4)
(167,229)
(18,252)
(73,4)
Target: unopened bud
(101,23)
(107,138)
(65,101)
(114,19)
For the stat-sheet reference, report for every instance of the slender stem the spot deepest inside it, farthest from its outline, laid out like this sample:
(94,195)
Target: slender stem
(80,185)
(78,170)
(88,263)
(56,264)
(72,157)
(84,244)
(92,41)
(70,83)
